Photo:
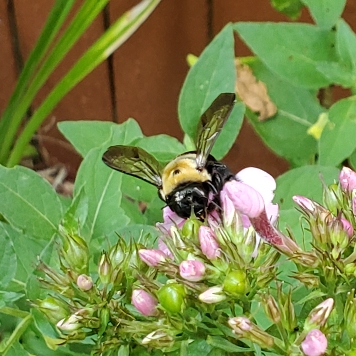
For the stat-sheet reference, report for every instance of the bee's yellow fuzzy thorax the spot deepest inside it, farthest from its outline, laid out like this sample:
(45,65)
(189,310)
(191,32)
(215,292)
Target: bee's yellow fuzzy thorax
(182,169)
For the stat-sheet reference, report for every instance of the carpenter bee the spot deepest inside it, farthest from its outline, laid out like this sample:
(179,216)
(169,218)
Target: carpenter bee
(191,183)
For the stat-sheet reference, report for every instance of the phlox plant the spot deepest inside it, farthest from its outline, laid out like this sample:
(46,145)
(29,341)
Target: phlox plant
(112,271)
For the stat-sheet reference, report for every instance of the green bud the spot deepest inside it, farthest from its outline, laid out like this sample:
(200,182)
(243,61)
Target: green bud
(285,302)
(332,197)
(319,315)
(235,282)
(117,253)
(190,229)
(171,297)
(271,308)
(309,280)
(104,269)
(54,309)
(350,314)
(104,320)
(75,253)
(350,268)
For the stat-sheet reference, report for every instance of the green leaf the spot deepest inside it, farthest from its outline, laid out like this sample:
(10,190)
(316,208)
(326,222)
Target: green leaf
(338,73)
(325,12)
(8,260)
(337,141)
(298,108)
(163,147)
(76,215)
(223,344)
(305,181)
(102,187)
(28,202)
(292,8)
(212,74)
(346,44)
(291,50)
(85,135)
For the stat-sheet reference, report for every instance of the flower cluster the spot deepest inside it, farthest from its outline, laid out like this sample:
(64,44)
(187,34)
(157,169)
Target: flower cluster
(212,279)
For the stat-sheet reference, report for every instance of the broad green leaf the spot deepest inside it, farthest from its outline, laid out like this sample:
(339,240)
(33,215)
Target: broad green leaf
(229,133)
(138,189)
(291,50)
(338,73)
(337,141)
(214,73)
(325,12)
(352,160)
(342,72)
(223,344)
(163,147)
(292,8)
(28,202)
(85,135)
(298,108)
(101,185)
(76,215)
(305,181)
(8,260)
(346,44)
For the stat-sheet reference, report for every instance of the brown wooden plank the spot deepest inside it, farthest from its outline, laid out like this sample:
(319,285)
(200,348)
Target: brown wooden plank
(151,66)
(90,99)
(8,70)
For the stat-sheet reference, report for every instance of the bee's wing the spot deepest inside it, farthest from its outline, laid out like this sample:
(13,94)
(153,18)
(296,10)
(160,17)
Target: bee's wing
(210,125)
(134,161)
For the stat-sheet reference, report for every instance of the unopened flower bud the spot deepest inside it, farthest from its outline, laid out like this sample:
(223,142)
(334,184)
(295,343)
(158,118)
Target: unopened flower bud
(235,282)
(104,269)
(152,257)
(319,315)
(190,228)
(315,343)
(71,323)
(212,295)
(158,339)
(84,282)
(350,314)
(347,227)
(309,280)
(117,253)
(245,328)
(192,270)
(75,252)
(347,179)
(332,196)
(271,308)
(171,297)
(208,243)
(54,309)
(144,302)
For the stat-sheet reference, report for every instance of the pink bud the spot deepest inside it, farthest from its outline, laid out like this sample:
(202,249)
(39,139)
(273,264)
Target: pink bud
(152,257)
(305,203)
(213,295)
(71,323)
(245,199)
(144,302)
(315,343)
(347,227)
(228,208)
(192,270)
(84,282)
(347,179)
(208,243)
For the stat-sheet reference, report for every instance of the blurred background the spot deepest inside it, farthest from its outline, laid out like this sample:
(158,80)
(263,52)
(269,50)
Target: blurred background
(143,78)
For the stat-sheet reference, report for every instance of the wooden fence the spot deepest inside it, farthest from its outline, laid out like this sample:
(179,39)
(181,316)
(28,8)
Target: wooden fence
(143,78)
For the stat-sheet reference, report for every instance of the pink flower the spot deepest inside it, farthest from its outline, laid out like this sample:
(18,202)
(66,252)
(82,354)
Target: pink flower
(315,343)
(152,257)
(170,218)
(192,270)
(164,248)
(347,179)
(208,243)
(144,302)
(84,282)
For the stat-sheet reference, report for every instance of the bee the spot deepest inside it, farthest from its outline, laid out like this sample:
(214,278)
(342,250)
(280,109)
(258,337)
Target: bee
(190,183)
